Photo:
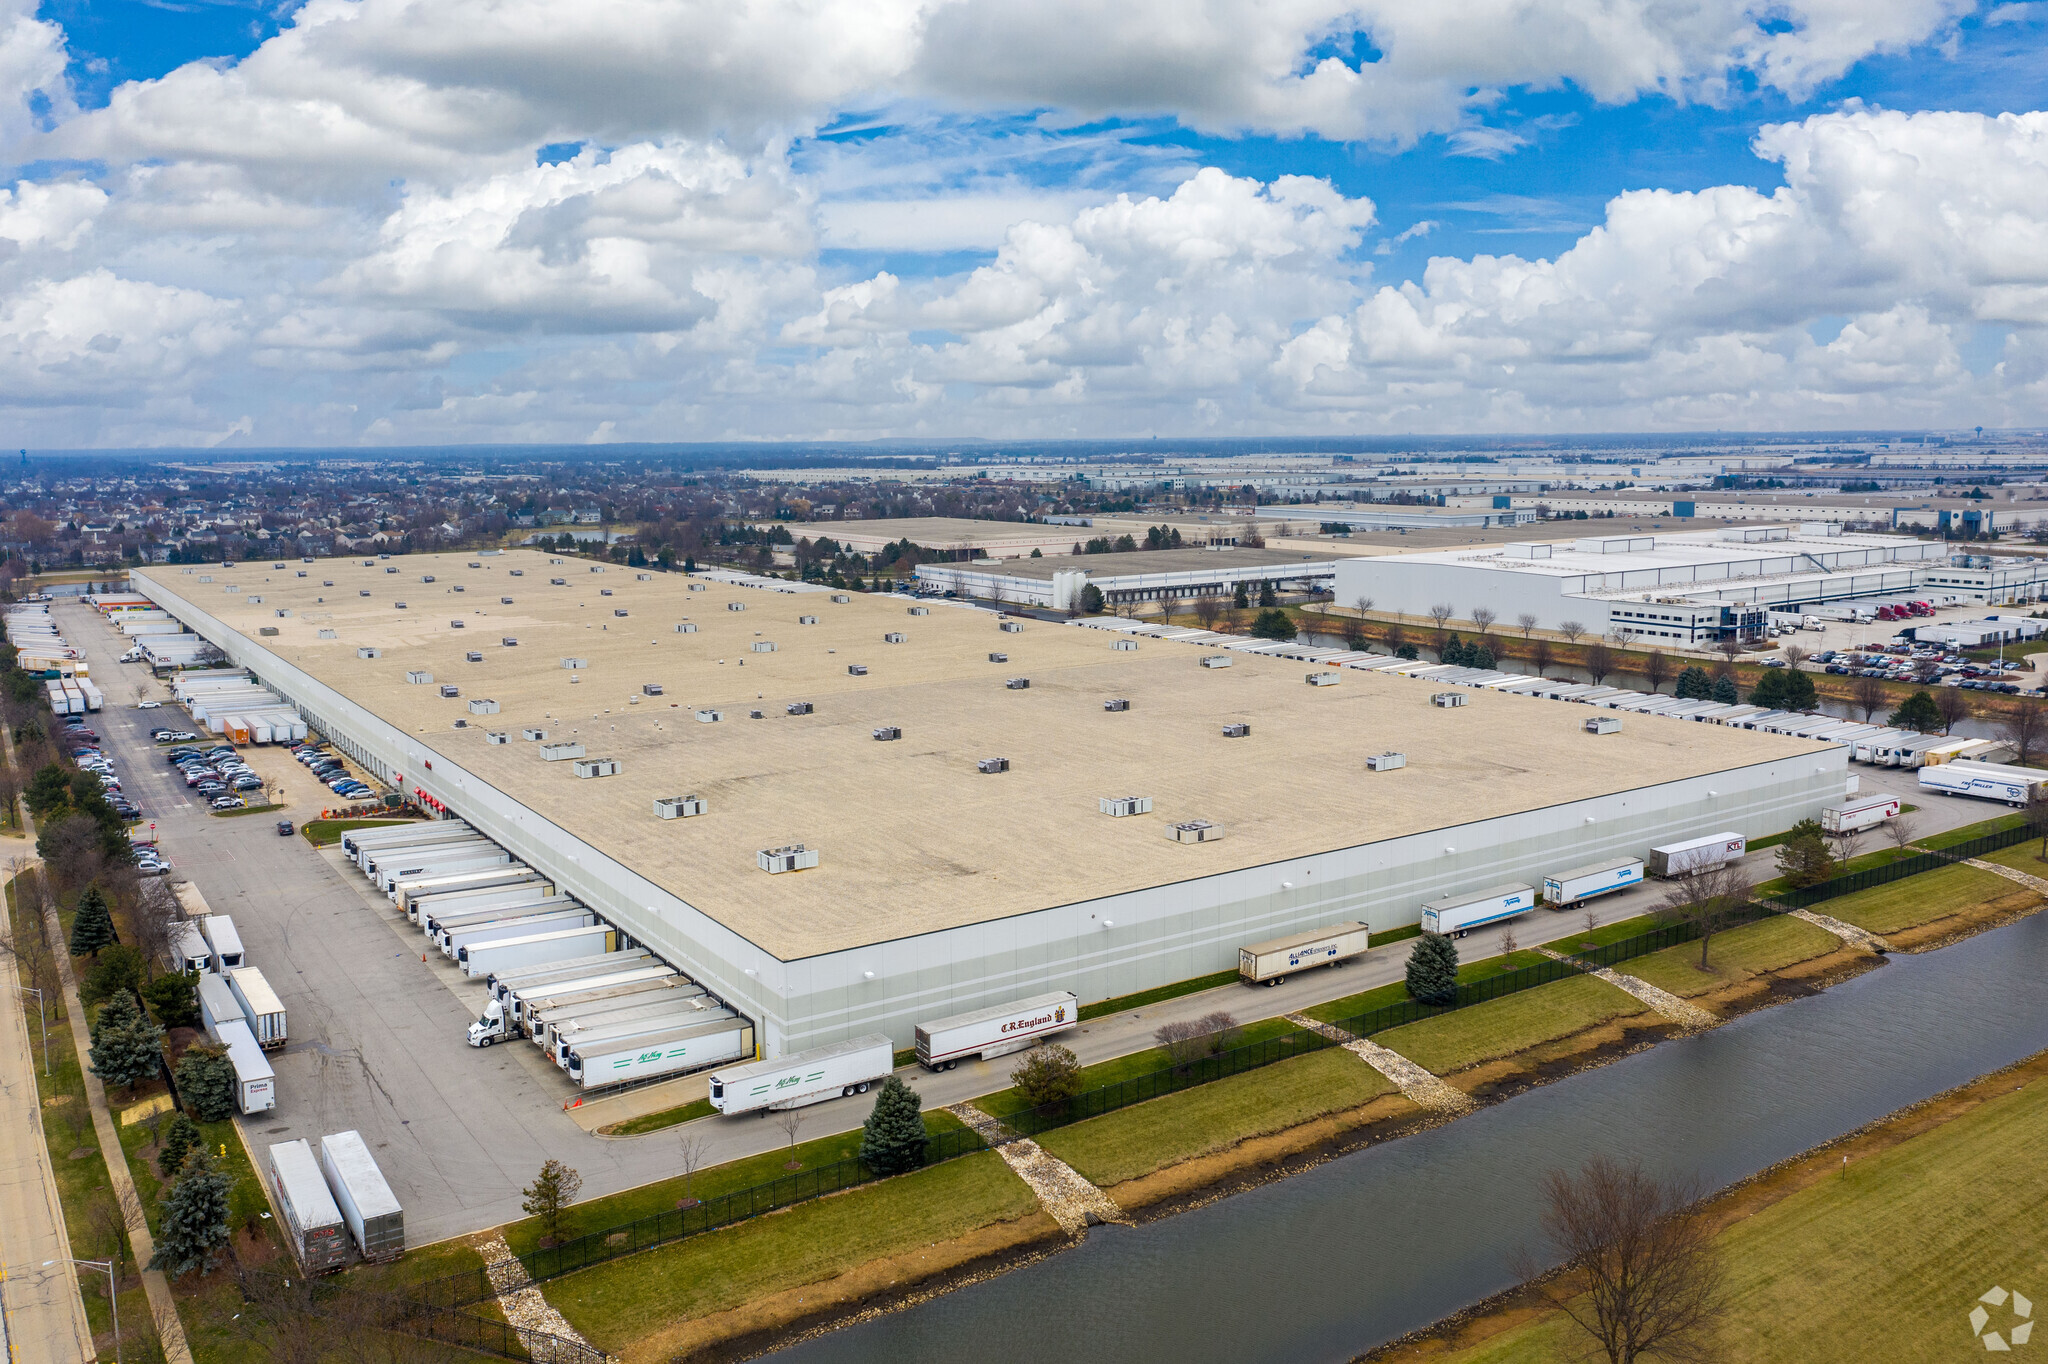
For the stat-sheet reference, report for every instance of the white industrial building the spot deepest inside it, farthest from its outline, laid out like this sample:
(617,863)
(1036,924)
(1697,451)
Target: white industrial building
(1142,576)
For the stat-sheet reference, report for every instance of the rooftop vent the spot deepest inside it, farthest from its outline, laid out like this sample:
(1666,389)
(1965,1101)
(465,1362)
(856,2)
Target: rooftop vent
(856,670)
(650,688)
(1194,831)
(696,587)
(1386,762)
(1117,807)
(763,646)
(558,582)
(1018,684)
(1322,679)
(1129,646)
(497,736)
(841,598)
(266,629)
(1603,724)
(426,577)
(604,591)
(509,641)
(617,613)
(329,634)
(1011,627)
(920,610)
(992,765)
(895,637)
(533,732)
(1117,703)
(1236,731)
(596,767)
(472,657)
(368,651)
(795,857)
(678,807)
(710,717)
(686,628)
(574,663)
(1448,699)
(806,620)
(1217,661)
(450,690)
(419,678)
(456,624)
(889,732)
(999,658)
(555,753)
(735,606)
(483,705)
(799,708)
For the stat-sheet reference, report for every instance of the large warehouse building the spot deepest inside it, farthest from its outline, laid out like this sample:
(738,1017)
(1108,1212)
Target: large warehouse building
(940,886)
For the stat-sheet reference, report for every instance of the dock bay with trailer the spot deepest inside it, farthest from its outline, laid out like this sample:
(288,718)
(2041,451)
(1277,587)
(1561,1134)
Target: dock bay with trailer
(1457,915)
(944,1042)
(1691,856)
(834,1071)
(1570,889)
(1270,962)
(668,1053)
(255,1081)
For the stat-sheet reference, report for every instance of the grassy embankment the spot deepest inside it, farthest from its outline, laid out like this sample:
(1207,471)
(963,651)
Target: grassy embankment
(323,833)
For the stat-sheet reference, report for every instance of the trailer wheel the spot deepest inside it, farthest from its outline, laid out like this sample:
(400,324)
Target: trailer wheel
(845,1091)
(951,1064)
(861,1088)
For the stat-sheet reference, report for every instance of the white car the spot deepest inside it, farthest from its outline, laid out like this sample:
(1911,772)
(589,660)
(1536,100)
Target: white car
(229,803)
(148,705)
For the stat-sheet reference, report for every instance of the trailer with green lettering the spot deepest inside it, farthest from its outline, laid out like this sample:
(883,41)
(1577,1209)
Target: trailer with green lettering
(809,1077)
(606,1063)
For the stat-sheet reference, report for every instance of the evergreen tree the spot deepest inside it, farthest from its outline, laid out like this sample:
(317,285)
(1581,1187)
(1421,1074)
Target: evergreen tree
(118,968)
(1273,624)
(93,928)
(893,1137)
(549,1197)
(125,1043)
(1803,858)
(1478,656)
(1694,684)
(174,998)
(1724,690)
(1239,597)
(1267,596)
(206,1082)
(1785,689)
(1917,712)
(195,1217)
(1433,970)
(1409,652)
(1091,599)
(1453,652)
(180,1136)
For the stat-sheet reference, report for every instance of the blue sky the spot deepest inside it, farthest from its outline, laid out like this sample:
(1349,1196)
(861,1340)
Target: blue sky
(397,223)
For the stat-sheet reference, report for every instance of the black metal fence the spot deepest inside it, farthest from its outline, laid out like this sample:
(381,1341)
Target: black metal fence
(1669,935)
(1901,868)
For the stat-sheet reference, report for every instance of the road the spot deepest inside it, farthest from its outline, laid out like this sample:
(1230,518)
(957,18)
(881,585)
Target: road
(377,1034)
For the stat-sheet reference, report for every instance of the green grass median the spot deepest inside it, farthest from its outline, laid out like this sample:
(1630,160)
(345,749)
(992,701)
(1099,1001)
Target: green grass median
(1734,955)
(1921,899)
(1501,1027)
(1004,1102)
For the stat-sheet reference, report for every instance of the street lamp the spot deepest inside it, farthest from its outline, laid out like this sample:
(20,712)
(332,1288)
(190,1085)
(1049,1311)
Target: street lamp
(42,1020)
(113,1294)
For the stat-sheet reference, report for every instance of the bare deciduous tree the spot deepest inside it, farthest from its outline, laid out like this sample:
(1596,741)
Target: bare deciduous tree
(1954,705)
(1483,617)
(1867,695)
(1901,829)
(2019,724)
(1656,668)
(1599,660)
(1794,655)
(1540,657)
(1571,630)
(1624,635)
(1208,609)
(693,1153)
(1364,606)
(1707,900)
(1642,1276)
(1441,614)
(1527,620)
(1509,944)
(791,1121)
(1731,649)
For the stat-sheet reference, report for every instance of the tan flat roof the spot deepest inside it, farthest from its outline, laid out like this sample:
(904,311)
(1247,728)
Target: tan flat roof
(912,838)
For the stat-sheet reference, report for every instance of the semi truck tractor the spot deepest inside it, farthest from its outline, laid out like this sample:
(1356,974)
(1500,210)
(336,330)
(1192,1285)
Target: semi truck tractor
(943,1043)
(671,1053)
(1695,855)
(808,1077)
(1570,889)
(481,959)
(1457,915)
(503,1017)
(1270,962)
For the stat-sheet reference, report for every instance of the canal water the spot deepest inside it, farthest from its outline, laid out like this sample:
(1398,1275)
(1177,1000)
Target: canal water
(1370,1246)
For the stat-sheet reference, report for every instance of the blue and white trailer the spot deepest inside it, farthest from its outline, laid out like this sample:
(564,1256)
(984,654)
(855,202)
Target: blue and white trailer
(1570,889)
(2013,785)
(1458,915)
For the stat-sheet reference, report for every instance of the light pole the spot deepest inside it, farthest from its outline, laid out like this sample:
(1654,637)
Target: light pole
(113,1294)
(42,1020)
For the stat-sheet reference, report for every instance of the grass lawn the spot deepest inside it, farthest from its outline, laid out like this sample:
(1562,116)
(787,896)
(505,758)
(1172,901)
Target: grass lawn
(1006,1101)
(1735,955)
(2024,857)
(1884,1263)
(322,832)
(1970,831)
(632,1204)
(1921,899)
(1139,1139)
(618,1303)
(1500,1027)
(1396,991)
(655,1122)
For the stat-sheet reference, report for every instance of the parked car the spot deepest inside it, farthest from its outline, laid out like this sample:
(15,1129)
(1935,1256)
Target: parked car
(176,736)
(229,803)
(284,828)
(149,705)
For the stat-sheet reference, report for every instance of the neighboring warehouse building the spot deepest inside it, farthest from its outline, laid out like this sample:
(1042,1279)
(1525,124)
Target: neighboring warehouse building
(1688,588)
(1144,576)
(944,880)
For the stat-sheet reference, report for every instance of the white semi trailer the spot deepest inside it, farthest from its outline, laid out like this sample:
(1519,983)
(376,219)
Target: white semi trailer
(1858,813)
(463,895)
(480,857)
(217,1005)
(943,1043)
(382,864)
(562,944)
(2013,786)
(495,876)
(1695,855)
(567,1035)
(417,840)
(809,1077)
(358,843)
(223,943)
(1570,889)
(255,1081)
(671,1053)
(1270,962)
(261,1008)
(513,923)
(585,1008)
(508,1013)
(312,1221)
(375,1220)
(1458,915)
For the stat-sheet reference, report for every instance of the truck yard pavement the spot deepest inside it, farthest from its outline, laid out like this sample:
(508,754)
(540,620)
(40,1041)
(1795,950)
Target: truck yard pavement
(377,1036)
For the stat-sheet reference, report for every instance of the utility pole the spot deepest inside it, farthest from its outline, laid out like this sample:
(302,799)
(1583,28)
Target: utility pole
(113,1295)
(27,990)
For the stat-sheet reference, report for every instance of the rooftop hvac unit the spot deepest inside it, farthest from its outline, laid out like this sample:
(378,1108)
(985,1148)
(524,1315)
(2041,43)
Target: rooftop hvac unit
(1018,684)
(1449,698)
(364,593)
(450,690)
(458,588)
(504,601)
(735,606)
(573,663)
(1010,627)
(302,573)
(799,708)
(650,688)
(1603,724)
(696,587)
(596,767)
(418,678)
(474,564)
(1116,807)
(757,715)
(992,765)
(999,658)
(806,620)
(920,610)
(497,736)
(457,625)
(888,732)
(1386,762)
(710,717)
(555,753)
(426,577)
(1129,646)
(686,629)
(764,646)
(841,598)
(283,611)
(1194,831)
(472,657)
(533,732)
(558,582)
(604,591)
(1117,703)
(255,601)
(678,807)
(509,641)
(462,724)
(483,705)
(1322,679)
(329,634)
(398,605)
(266,629)
(1217,661)
(617,613)
(518,572)
(594,568)
(390,568)
(1236,731)
(643,577)
(795,857)
(895,637)
(856,670)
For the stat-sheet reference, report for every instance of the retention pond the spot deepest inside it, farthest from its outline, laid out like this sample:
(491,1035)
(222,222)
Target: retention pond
(1365,1248)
